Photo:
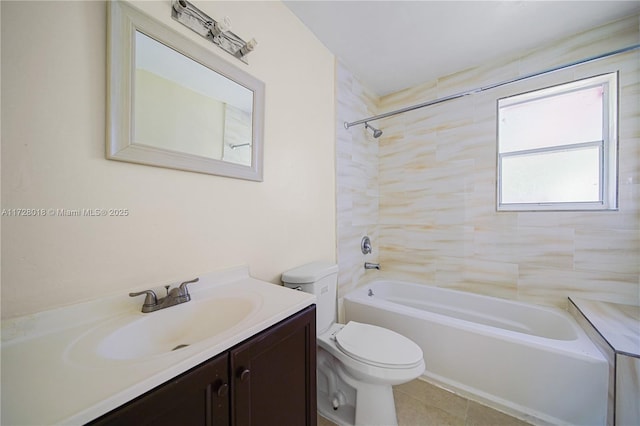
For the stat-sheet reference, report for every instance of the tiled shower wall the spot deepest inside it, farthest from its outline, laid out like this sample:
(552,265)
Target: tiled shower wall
(426,190)
(356,180)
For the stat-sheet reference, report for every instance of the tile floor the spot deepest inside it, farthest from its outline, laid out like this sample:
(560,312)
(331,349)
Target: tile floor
(419,403)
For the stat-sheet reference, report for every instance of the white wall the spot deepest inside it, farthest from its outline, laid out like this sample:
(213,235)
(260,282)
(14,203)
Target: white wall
(180,224)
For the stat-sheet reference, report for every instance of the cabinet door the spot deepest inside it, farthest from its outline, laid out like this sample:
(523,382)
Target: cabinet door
(274,375)
(197,397)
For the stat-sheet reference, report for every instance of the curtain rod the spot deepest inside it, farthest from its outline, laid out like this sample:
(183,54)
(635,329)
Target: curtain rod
(491,86)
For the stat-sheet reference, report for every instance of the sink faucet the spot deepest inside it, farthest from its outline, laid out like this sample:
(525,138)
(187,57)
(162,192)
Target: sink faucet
(369,265)
(175,296)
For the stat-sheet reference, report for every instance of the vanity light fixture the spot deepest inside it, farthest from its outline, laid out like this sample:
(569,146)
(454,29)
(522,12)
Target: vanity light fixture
(220,27)
(180,6)
(217,32)
(248,47)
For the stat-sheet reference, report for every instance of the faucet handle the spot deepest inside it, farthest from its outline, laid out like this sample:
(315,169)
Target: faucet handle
(150,300)
(183,286)
(365,245)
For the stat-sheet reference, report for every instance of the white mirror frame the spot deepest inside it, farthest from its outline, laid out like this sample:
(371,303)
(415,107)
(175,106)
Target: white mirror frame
(123,23)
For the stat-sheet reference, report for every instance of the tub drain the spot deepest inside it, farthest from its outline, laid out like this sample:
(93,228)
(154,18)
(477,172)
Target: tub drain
(179,347)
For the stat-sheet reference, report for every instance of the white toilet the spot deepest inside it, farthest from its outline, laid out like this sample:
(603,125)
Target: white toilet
(357,363)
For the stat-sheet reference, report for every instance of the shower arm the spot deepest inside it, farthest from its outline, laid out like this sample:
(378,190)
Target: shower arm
(240,145)
(490,86)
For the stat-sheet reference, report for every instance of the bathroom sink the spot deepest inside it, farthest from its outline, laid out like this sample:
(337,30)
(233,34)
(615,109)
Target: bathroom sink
(98,355)
(136,336)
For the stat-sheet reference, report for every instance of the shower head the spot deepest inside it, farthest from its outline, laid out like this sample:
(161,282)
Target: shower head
(376,133)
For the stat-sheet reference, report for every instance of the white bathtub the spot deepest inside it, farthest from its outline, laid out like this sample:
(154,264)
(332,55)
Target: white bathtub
(531,361)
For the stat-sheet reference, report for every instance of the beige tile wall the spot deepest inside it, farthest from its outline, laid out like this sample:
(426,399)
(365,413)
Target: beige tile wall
(356,180)
(425,191)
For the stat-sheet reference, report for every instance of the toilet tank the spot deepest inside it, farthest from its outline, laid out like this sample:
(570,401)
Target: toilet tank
(320,279)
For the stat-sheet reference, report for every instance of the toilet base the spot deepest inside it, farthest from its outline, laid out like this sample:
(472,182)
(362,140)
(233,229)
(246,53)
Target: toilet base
(358,403)
(371,407)
(345,415)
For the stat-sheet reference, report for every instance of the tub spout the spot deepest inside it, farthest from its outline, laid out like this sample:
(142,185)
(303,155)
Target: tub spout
(369,265)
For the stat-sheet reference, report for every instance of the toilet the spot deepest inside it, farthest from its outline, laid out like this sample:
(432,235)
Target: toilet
(357,363)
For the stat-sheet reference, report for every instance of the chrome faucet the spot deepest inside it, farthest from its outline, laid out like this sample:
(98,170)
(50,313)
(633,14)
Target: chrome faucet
(365,245)
(175,296)
(369,265)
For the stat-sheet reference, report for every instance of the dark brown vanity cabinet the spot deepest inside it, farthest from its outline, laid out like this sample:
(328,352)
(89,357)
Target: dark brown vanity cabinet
(267,380)
(198,397)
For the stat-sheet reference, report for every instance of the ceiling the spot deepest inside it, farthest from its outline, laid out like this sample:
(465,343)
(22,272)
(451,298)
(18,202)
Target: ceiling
(392,45)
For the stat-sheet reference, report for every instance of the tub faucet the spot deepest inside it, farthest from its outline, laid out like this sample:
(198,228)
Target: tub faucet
(369,265)
(175,296)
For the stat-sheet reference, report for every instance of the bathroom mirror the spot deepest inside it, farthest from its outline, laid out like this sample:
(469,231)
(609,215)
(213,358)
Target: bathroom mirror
(173,103)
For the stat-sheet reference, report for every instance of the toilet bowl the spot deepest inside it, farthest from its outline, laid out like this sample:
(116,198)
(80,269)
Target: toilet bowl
(357,363)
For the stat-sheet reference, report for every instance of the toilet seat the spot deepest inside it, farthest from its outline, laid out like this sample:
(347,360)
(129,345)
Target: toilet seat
(378,346)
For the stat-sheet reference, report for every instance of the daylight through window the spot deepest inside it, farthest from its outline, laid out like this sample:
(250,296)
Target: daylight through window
(557,147)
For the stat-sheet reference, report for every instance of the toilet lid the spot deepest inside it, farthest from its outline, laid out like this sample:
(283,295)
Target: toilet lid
(378,346)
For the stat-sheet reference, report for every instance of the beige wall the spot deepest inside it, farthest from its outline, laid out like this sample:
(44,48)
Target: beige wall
(437,221)
(180,224)
(191,122)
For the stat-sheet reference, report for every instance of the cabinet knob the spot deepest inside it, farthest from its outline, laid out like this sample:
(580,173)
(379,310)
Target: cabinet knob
(244,374)
(223,390)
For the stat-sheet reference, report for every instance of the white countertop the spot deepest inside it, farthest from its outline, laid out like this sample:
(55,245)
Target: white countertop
(618,324)
(45,382)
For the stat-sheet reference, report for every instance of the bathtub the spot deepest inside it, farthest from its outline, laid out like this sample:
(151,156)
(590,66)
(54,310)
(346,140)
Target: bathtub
(531,361)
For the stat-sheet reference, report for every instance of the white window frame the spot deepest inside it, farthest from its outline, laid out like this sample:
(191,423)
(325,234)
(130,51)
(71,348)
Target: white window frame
(608,146)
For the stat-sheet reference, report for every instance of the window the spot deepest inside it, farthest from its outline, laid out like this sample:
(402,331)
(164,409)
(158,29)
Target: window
(557,147)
